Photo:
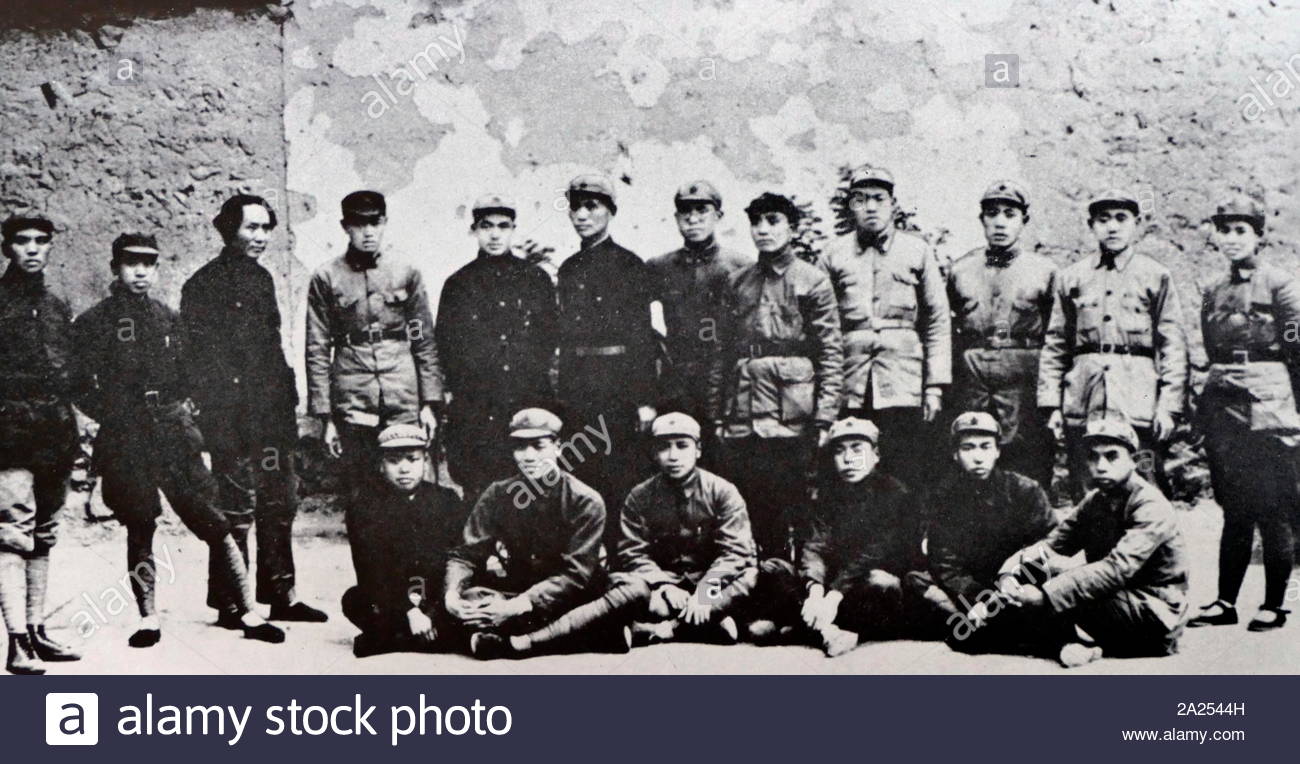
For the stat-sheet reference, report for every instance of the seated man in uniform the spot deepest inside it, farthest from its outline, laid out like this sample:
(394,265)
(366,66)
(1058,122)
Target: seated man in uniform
(399,550)
(685,554)
(1130,597)
(863,539)
(530,550)
(980,518)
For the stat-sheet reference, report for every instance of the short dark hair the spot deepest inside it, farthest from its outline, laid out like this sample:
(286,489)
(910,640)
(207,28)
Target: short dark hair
(770,202)
(15,223)
(231,215)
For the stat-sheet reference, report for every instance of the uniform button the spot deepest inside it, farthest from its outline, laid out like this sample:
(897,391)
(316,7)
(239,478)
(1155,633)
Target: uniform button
(1105,318)
(505,367)
(239,304)
(1110,291)
(502,303)
(503,338)
(598,298)
(235,380)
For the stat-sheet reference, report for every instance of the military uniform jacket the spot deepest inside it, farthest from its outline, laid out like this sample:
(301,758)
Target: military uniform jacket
(547,539)
(400,545)
(855,528)
(1254,367)
(1114,342)
(781,363)
(371,356)
(496,333)
(37,426)
(1131,541)
(1000,300)
(687,533)
(233,358)
(691,285)
(607,344)
(894,316)
(977,524)
(130,376)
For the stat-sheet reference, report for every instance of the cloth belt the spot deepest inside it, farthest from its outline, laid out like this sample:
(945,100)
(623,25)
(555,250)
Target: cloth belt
(1247,355)
(873,324)
(771,348)
(598,350)
(371,336)
(1106,348)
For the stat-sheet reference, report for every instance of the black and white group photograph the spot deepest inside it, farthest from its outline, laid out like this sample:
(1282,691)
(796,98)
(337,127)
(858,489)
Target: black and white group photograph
(665,337)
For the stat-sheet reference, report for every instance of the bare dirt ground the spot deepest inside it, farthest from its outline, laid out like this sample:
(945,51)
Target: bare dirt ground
(90,565)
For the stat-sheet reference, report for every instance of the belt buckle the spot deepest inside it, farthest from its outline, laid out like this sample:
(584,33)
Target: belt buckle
(1241,356)
(152,398)
(374,334)
(1107,347)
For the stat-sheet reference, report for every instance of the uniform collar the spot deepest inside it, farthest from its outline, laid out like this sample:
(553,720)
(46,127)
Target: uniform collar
(361,261)
(1117,262)
(604,239)
(503,260)
(119,290)
(880,242)
(778,263)
(1001,258)
(1243,273)
(704,253)
(689,487)
(27,283)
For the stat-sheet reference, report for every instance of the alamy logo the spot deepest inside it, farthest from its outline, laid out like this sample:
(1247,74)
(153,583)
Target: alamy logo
(71,718)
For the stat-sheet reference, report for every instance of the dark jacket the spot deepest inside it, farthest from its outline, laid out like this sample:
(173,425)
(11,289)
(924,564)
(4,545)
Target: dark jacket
(855,528)
(977,524)
(547,539)
(400,545)
(697,531)
(129,370)
(37,426)
(607,344)
(496,333)
(780,367)
(233,358)
(1131,541)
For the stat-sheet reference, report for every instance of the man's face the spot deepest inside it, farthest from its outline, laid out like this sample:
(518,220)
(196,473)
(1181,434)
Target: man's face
(676,456)
(138,276)
(1114,227)
(494,233)
(697,220)
(1109,465)
(1003,223)
(536,458)
(402,468)
(1236,239)
(872,207)
(589,216)
(771,231)
(254,230)
(855,458)
(977,455)
(29,250)
(366,235)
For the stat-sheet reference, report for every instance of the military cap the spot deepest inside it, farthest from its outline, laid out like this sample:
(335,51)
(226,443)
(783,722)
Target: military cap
(137,245)
(493,204)
(15,223)
(870,175)
(1006,191)
(770,202)
(403,436)
(698,191)
(534,423)
(592,184)
(976,422)
(361,205)
(853,427)
(1114,198)
(1241,207)
(675,424)
(1111,428)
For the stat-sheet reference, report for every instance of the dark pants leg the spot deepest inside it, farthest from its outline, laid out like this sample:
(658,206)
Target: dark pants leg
(277,506)
(252,487)
(477,450)
(611,468)
(624,597)
(771,474)
(130,491)
(872,606)
(1126,625)
(1150,460)
(907,448)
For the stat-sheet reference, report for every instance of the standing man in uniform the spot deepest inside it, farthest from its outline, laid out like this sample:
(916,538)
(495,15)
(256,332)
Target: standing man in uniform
(774,387)
(1114,343)
(247,402)
(1001,299)
(371,358)
(896,325)
(496,339)
(691,282)
(607,344)
(130,379)
(38,438)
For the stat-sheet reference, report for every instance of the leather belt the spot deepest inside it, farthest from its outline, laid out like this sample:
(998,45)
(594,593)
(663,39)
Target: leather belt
(599,350)
(1107,348)
(872,324)
(372,336)
(1247,355)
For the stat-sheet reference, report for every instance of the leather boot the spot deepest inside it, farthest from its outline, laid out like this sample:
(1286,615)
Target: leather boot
(22,658)
(47,648)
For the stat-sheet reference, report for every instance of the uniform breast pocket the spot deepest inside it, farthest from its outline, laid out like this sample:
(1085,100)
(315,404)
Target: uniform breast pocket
(901,296)
(1263,329)
(345,303)
(1135,319)
(796,377)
